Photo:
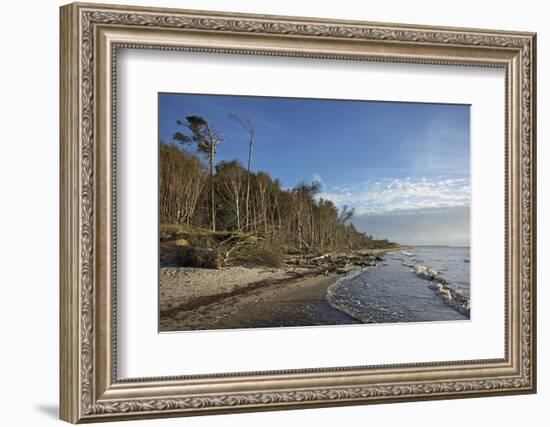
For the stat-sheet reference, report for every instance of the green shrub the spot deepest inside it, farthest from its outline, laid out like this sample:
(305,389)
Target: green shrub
(193,256)
(290,250)
(270,256)
(260,253)
(171,229)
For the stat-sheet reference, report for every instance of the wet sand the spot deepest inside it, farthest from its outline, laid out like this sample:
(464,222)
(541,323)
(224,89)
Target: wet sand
(286,302)
(257,297)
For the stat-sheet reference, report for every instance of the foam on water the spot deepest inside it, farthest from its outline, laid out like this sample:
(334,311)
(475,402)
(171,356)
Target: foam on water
(394,291)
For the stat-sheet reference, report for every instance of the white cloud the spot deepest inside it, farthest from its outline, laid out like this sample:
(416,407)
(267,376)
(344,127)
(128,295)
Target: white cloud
(316,178)
(394,195)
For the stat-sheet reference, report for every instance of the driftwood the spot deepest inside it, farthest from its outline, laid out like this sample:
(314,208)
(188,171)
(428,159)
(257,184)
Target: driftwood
(330,263)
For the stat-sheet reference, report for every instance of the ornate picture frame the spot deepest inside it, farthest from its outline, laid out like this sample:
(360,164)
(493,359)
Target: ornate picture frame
(90,37)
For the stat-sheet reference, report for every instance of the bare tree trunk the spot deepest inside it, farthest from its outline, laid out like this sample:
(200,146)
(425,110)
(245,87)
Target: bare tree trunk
(247,124)
(248,181)
(238,213)
(212,195)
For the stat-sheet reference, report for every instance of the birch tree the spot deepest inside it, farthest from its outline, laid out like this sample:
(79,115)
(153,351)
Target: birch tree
(247,124)
(231,180)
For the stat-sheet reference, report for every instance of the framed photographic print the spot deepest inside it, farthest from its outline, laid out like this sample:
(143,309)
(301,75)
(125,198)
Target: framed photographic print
(265,212)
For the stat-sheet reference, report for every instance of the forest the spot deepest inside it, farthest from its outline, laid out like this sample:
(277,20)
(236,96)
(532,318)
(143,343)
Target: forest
(227,206)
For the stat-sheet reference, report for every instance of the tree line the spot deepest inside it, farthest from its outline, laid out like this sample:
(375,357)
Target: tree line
(200,193)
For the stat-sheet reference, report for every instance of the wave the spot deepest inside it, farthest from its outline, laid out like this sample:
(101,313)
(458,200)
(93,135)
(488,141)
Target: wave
(452,296)
(367,300)
(343,304)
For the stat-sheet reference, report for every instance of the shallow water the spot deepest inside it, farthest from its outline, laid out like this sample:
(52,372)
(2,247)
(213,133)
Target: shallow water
(392,292)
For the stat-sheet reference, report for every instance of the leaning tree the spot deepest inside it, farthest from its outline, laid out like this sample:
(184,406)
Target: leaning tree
(207,138)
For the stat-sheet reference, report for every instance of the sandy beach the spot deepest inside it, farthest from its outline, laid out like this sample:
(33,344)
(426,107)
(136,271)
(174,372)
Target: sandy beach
(304,292)
(276,300)
(246,297)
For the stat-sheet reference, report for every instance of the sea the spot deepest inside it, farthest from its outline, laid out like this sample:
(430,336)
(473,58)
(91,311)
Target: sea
(392,291)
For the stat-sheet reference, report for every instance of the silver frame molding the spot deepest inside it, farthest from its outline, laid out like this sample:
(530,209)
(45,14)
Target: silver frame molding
(90,37)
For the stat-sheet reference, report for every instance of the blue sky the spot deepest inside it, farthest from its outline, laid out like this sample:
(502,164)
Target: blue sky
(389,160)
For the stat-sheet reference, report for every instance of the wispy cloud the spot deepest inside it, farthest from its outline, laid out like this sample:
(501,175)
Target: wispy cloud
(391,195)
(317,178)
(442,146)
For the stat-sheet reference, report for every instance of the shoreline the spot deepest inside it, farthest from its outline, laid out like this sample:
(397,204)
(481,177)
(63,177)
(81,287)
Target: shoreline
(240,297)
(289,302)
(403,289)
(287,278)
